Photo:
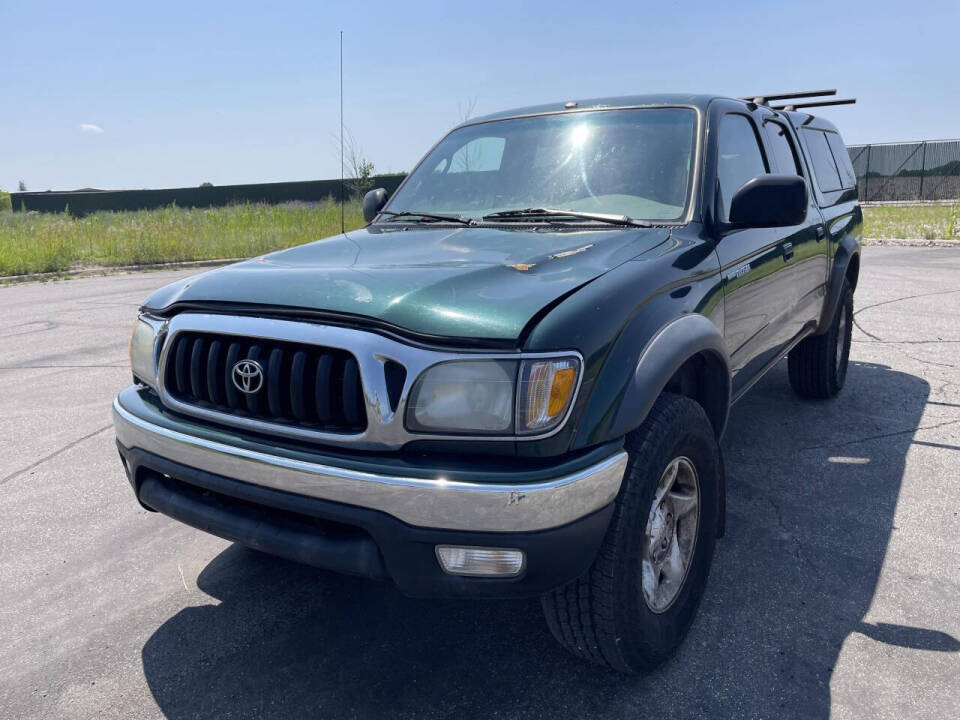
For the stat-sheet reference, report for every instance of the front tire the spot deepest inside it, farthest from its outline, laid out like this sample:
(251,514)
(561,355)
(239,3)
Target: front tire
(635,604)
(817,367)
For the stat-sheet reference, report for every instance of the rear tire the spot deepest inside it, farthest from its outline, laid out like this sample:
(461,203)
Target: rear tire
(627,612)
(818,365)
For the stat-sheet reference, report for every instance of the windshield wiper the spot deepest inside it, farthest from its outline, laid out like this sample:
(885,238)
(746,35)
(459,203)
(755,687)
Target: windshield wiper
(427,216)
(547,213)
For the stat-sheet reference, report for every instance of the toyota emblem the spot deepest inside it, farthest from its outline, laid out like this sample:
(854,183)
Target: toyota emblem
(247,376)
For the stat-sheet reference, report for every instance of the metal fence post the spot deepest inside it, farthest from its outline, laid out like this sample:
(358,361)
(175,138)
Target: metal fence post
(866,177)
(923,168)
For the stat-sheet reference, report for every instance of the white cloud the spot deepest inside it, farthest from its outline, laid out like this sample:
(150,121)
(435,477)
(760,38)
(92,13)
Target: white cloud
(90,127)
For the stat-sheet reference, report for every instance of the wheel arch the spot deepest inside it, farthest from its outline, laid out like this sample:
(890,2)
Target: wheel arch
(846,266)
(853,270)
(687,357)
(703,378)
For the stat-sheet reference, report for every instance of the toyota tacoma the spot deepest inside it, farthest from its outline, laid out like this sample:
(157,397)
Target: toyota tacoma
(514,379)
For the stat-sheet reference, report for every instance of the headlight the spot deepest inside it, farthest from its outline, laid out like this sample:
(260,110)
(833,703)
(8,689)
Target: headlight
(464,396)
(143,359)
(481,397)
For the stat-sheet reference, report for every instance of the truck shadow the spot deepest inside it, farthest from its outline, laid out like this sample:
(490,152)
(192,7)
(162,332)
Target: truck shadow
(812,489)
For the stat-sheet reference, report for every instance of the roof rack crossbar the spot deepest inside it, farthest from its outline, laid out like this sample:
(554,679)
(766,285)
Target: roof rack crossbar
(819,103)
(765,99)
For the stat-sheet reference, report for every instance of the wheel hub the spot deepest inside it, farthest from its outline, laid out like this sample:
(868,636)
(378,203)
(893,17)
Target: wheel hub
(661,532)
(671,534)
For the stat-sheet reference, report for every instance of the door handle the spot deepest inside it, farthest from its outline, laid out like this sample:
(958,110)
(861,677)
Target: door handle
(787,250)
(820,233)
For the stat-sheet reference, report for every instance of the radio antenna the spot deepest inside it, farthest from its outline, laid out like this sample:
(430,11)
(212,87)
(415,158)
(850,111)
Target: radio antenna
(341,134)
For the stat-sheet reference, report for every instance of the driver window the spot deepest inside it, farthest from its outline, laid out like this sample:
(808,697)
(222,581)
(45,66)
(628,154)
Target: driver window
(481,154)
(739,158)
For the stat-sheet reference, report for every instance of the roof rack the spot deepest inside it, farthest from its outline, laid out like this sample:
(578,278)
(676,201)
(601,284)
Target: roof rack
(821,103)
(801,95)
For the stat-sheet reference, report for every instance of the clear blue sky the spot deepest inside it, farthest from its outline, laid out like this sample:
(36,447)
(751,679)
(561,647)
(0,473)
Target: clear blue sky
(133,94)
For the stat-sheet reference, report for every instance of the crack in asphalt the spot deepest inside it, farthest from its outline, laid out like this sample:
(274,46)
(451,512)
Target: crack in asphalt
(878,339)
(44,326)
(798,544)
(942,446)
(904,342)
(895,343)
(798,551)
(857,324)
(924,362)
(52,455)
(943,404)
(880,436)
(901,299)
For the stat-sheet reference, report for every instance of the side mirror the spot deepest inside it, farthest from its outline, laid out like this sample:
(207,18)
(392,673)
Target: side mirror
(373,203)
(769,201)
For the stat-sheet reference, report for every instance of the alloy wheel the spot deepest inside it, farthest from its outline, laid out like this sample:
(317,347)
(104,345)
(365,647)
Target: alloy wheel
(671,534)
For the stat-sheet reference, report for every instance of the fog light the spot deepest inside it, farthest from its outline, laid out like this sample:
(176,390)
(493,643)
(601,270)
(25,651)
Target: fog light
(456,560)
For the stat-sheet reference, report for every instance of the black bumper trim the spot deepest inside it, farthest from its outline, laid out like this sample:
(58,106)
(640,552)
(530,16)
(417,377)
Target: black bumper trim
(353,540)
(284,534)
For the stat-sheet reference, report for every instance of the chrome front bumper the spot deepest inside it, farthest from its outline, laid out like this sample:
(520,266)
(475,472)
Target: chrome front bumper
(429,503)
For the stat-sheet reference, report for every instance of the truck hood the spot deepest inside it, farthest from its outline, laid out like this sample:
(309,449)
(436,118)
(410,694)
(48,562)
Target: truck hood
(471,282)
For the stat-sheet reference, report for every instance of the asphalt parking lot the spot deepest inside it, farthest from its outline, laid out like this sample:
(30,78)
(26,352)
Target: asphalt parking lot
(836,591)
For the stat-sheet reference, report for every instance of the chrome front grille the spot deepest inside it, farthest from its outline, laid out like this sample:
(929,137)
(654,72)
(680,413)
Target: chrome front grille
(357,398)
(288,383)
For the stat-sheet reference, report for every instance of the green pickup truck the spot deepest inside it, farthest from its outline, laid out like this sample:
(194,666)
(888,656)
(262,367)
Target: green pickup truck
(514,379)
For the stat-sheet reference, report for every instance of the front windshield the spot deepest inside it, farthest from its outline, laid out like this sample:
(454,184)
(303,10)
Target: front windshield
(635,163)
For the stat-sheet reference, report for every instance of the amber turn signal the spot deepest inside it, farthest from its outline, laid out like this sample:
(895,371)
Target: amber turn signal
(547,388)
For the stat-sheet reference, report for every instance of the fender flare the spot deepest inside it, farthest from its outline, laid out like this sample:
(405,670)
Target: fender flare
(848,249)
(673,345)
(665,353)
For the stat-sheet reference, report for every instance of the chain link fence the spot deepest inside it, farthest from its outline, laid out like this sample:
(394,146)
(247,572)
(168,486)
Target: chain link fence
(915,171)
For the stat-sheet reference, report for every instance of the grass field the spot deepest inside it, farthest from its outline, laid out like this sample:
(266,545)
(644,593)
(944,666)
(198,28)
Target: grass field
(34,243)
(924,222)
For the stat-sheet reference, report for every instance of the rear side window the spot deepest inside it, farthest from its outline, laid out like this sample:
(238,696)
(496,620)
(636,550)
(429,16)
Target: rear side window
(782,154)
(824,167)
(739,158)
(848,178)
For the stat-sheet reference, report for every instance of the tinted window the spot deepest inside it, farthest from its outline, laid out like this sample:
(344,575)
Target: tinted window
(783,158)
(848,178)
(739,158)
(821,158)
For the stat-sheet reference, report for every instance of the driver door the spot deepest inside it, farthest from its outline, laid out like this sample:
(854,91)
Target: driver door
(755,262)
